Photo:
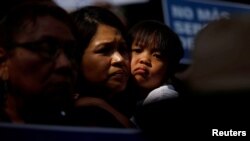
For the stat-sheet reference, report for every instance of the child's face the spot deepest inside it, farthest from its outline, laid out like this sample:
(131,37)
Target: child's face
(147,66)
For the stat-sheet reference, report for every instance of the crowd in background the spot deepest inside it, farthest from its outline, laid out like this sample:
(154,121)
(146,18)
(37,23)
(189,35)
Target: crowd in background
(87,68)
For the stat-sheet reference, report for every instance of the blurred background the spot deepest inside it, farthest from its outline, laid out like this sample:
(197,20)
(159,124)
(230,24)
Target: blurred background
(178,14)
(185,17)
(133,10)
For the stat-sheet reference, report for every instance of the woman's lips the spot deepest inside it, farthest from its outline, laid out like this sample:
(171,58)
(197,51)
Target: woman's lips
(119,74)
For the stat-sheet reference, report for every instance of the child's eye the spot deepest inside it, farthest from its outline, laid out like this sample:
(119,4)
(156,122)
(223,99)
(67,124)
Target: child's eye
(157,55)
(137,49)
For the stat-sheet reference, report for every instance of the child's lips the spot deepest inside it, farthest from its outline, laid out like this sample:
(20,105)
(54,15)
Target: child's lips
(141,71)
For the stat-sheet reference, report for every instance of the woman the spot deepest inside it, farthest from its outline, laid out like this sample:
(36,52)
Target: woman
(37,69)
(104,67)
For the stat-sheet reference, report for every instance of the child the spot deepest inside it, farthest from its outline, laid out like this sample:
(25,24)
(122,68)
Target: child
(155,54)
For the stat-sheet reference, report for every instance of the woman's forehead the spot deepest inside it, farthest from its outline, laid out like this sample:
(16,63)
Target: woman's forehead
(44,26)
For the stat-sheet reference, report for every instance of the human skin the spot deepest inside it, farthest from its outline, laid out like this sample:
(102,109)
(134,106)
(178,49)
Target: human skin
(105,61)
(30,73)
(147,66)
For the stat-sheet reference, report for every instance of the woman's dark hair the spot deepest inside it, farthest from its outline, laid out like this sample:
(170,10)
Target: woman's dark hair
(24,14)
(154,34)
(87,20)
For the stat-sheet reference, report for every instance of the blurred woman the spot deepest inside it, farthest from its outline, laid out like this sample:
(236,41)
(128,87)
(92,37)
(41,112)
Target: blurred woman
(37,68)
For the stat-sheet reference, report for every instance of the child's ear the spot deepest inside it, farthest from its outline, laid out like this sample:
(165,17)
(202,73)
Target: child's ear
(4,73)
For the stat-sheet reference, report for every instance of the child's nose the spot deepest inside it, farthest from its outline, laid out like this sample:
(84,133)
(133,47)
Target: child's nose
(145,59)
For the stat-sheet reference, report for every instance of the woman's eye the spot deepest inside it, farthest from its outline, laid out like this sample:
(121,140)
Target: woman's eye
(106,50)
(123,50)
(48,49)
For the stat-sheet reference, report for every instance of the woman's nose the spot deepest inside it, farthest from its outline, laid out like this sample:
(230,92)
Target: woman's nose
(62,60)
(117,58)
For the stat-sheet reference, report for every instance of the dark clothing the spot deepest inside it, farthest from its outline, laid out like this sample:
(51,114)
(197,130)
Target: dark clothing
(93,116)
(194,115)
(96,112)
(3,116)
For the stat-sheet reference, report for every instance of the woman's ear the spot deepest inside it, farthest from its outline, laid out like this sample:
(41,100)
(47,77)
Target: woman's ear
(4,73)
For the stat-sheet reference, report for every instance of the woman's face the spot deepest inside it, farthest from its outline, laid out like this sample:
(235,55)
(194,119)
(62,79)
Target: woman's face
(37,65)
(148,68)
(105,61)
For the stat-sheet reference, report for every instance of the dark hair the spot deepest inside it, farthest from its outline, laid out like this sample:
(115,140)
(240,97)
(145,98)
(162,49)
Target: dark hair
(87,20)
(154,34)
(24,14)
